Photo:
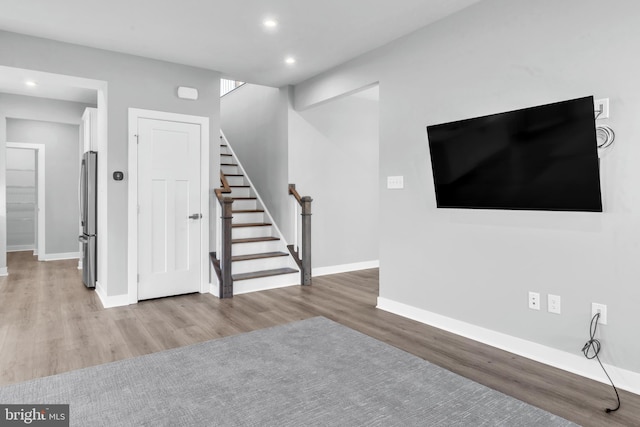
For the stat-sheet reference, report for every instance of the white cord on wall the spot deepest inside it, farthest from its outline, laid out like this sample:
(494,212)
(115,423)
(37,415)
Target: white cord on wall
(605,137)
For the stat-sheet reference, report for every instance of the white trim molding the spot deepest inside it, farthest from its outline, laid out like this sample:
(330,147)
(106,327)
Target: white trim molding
(344,268)
(213,290)
(21,248)
(4,271)
(576,364)
(110,301)
(60,256)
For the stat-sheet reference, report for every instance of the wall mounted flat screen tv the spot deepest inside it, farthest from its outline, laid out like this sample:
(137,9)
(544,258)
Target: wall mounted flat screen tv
(538,158)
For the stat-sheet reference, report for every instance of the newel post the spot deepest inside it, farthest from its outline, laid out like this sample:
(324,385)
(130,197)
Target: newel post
(306,240)
(226,287)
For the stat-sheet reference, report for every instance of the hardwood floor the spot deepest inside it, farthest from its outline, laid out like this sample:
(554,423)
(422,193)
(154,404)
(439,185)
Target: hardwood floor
(50,323)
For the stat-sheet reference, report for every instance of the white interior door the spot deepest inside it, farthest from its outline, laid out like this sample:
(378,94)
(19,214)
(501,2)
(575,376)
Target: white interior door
(169,224)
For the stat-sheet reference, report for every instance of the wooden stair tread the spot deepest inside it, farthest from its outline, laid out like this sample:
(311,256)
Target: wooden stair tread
(263,273)
(232,174)
(258,256)
(244,198)
(252,224)
(255,239)
(228,164)
(226,155)
(240,186)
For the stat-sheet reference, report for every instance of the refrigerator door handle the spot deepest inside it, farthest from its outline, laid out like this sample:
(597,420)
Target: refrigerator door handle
(81,186)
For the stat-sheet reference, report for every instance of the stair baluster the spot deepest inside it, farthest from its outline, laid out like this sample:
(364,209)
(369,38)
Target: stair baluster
(226,287)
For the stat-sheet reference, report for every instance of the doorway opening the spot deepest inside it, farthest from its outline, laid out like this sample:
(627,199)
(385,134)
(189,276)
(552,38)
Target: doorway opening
(40,104)
(25,193)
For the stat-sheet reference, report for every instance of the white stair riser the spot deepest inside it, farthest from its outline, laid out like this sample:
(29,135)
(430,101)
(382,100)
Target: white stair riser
(235,180)
(263,283)
(245,218)
(250,232)
(244,204)
(229,169)
(257,247)
(240,192)
(259,264)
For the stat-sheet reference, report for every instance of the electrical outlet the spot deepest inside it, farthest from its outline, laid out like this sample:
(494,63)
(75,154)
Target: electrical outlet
(534,300)
(395,182)
(553,303)
(599,308)
(601,106)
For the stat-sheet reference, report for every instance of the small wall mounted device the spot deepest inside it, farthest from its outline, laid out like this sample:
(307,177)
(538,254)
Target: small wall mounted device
(185,92)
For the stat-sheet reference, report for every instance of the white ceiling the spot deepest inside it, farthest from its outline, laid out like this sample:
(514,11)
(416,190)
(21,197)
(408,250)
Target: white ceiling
(52,86)
(228,35)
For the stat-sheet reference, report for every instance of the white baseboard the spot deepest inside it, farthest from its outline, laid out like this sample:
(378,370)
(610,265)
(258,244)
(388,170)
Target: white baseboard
(4,271)
(577,364)
(214,290)
(344,268)
(111,301)
(20,248)
(60,256)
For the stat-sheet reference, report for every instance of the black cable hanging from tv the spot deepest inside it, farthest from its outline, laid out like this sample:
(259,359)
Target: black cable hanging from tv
(591,349)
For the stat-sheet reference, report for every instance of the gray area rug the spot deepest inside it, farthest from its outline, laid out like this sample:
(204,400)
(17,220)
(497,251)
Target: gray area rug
(309,373)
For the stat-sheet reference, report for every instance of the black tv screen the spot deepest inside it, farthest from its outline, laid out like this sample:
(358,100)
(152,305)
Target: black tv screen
(538,158)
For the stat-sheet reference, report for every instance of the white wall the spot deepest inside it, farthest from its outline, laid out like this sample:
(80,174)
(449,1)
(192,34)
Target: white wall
(254,120)
(132,82)
(477,266)
(330,152)
(333,157)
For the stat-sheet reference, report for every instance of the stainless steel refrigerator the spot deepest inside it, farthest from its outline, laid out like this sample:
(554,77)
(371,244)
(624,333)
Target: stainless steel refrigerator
(88,195)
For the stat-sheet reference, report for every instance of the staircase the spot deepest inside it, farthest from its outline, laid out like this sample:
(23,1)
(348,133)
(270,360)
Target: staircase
(260,258)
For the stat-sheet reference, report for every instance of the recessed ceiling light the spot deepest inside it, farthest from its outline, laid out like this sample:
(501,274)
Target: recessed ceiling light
(270,23)
(290,60)
(31,83)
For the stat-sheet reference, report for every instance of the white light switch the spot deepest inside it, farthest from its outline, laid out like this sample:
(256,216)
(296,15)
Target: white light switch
(395,182)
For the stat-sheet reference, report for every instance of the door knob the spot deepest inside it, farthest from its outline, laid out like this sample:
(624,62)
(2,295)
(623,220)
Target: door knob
(195,216)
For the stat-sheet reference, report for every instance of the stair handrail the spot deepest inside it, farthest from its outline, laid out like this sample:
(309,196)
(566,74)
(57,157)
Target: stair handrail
(303,260)
(225,189)
(226,203)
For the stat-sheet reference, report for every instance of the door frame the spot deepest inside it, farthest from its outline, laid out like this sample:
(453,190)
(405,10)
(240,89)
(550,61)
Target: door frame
(40,171)
(132,270)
